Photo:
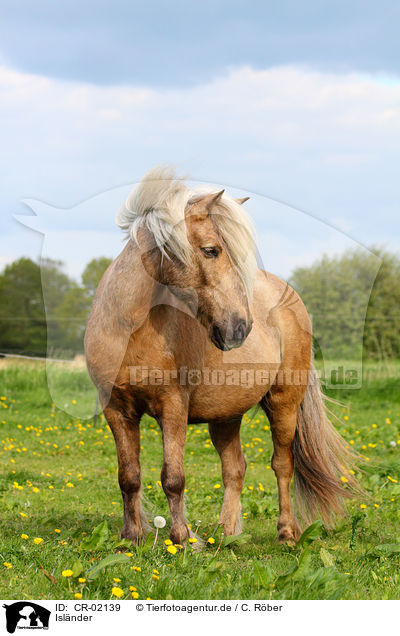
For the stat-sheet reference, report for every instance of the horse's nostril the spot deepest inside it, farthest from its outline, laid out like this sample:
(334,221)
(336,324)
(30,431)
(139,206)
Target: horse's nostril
(216,337)
(240,331)
(226,339)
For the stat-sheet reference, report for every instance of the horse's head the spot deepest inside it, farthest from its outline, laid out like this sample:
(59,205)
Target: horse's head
(199,246)
(219,291)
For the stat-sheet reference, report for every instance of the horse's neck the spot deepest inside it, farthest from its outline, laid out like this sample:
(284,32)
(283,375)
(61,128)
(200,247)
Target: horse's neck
(137,287)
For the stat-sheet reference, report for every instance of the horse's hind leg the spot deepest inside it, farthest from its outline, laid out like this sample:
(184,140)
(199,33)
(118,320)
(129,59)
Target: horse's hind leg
(226,439)
(283,419)
(127,440)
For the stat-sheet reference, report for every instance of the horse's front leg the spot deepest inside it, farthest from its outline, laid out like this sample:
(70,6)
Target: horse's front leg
(127,441)
(174,426)
(226,439)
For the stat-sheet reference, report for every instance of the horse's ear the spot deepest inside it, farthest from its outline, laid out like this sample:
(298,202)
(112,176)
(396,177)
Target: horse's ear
(241,201)
(212,199)
(208,201)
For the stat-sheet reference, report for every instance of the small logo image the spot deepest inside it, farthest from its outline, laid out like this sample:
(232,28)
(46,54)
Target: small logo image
(26,615)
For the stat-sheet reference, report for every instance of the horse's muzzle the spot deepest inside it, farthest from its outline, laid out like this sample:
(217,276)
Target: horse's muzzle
(226,338)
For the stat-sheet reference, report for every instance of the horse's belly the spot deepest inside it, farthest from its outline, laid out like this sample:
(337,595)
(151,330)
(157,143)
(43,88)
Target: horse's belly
(232,382)
(221,403)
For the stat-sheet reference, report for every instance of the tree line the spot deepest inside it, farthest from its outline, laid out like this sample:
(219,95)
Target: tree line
(354,302)
(40,304)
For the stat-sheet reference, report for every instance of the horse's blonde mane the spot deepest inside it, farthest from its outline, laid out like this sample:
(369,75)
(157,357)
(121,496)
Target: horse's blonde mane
(158,202)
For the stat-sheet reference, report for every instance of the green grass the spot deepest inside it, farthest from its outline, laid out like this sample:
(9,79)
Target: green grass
(58,482)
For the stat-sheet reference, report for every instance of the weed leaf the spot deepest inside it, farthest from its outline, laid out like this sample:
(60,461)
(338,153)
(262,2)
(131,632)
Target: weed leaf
(98,537)
(311,533)
(326,558)
(111,559)
(77,568)
(239,539)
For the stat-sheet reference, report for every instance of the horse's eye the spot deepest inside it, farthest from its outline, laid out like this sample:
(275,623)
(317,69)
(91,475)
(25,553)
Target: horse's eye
(210,252)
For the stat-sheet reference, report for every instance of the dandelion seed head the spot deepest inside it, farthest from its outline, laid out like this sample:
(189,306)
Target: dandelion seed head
(159,522)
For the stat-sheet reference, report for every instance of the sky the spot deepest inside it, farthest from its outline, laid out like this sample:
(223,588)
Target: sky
(295,104)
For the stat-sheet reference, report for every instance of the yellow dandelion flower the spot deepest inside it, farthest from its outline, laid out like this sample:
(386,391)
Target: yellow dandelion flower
(37,540)
(81,579)
(168,542)
(363,506)
(391,479)
(57,530)
(24,536)
(132,588)
(192,540)
(78,596)
(67,573)
(135,595)
(7,565)
(344,479)
(172,549)
(117,580)
(217,485)
(156,577)
(211,540)
(69,485)
(116,591)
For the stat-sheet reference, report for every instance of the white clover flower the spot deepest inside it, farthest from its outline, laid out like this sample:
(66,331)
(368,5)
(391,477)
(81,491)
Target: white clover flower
(159,522)
(393,444)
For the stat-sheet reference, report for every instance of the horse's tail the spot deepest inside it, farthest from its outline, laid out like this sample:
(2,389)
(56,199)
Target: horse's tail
(324,466)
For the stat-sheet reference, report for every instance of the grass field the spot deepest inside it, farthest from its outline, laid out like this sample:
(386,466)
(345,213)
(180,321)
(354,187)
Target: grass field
(61,507)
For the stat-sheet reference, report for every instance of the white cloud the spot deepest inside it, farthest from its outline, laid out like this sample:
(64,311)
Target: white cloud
(323,142)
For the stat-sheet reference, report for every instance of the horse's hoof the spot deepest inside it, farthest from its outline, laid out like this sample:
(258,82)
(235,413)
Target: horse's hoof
(286,535)
(134,537)
(179,537)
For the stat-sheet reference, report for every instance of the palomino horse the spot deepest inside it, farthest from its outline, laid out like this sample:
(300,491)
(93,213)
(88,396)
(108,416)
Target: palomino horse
(183,304)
